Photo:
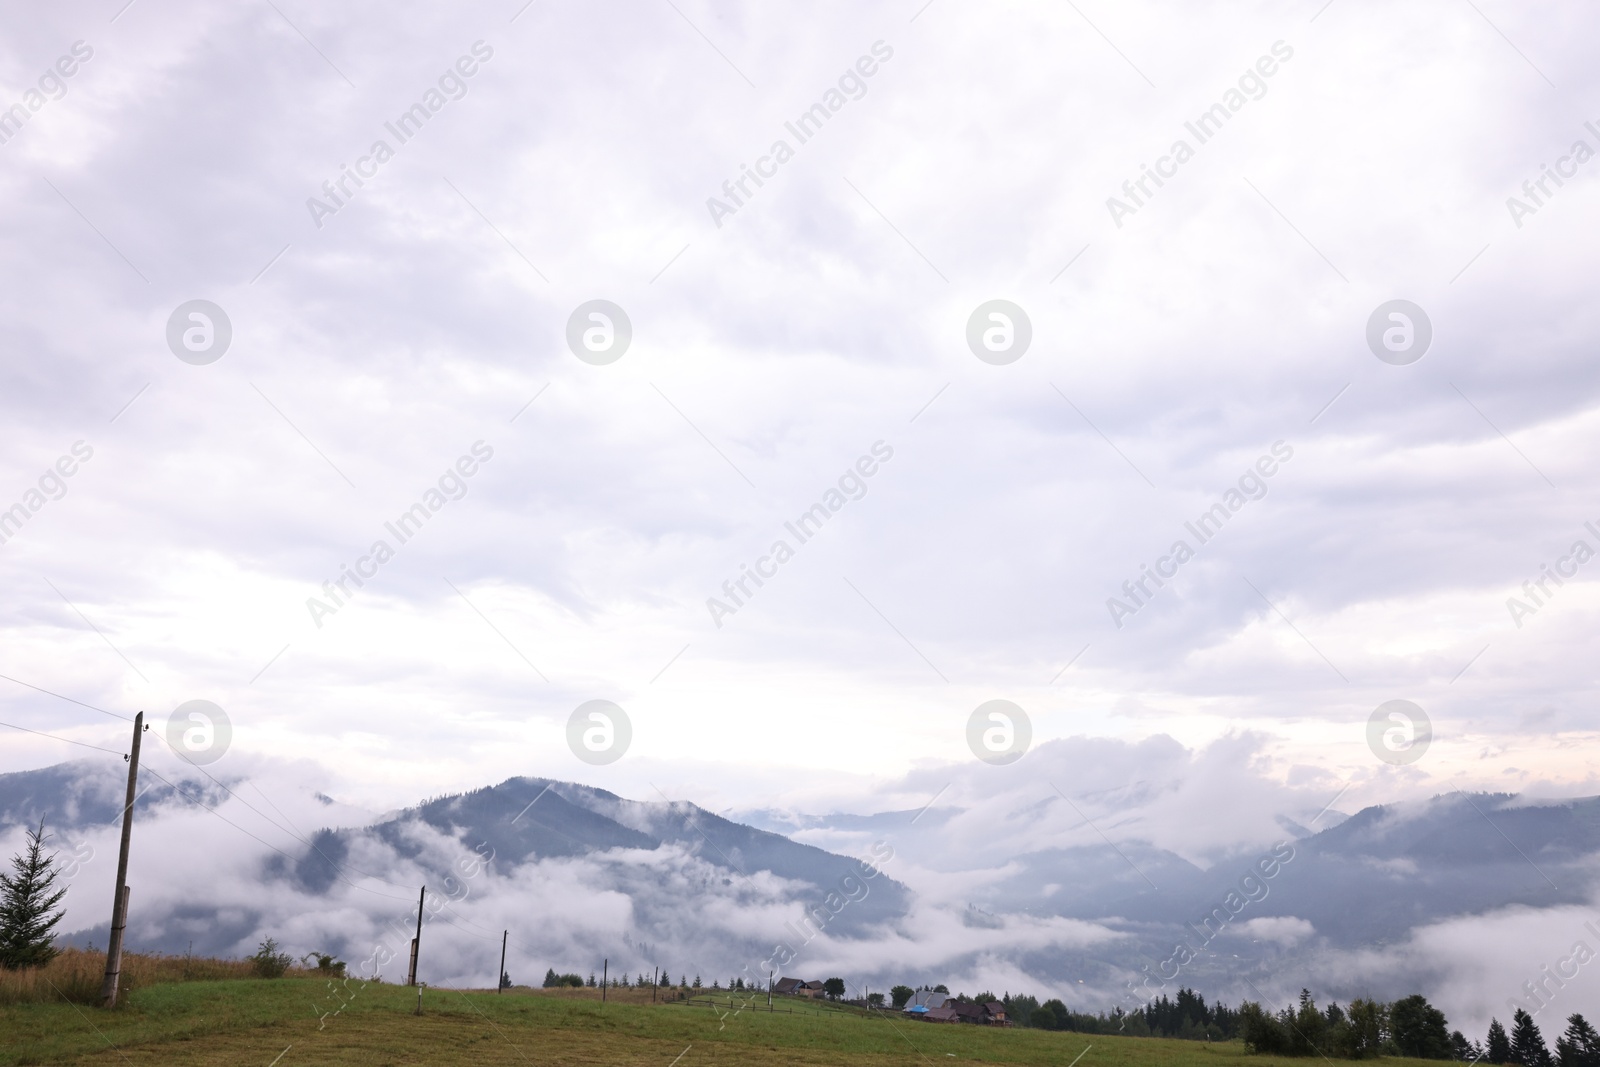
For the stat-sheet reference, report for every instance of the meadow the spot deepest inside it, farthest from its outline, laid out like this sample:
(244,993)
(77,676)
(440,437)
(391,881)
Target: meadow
(286,1022)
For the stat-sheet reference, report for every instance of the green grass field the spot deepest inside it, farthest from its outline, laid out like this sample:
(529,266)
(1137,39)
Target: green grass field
(276,1024)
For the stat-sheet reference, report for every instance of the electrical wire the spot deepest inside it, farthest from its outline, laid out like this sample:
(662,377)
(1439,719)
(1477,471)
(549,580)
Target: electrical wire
(69,700)
(290,832)
(293,833)
(68,740)
(179,790)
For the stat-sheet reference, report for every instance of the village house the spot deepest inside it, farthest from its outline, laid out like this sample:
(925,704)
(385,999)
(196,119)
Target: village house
(795,987)
(941,1008)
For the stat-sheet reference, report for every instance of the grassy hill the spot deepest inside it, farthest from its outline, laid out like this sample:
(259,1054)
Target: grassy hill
(280,1023)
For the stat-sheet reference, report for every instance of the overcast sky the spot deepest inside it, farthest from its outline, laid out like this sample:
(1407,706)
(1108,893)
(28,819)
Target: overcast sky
(383,331)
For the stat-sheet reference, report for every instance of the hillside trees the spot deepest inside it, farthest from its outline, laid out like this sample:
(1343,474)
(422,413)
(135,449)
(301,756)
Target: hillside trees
(1363,1030)
(1579,1046)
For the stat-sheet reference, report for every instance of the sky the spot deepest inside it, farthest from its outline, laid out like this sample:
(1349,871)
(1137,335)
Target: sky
(362,347)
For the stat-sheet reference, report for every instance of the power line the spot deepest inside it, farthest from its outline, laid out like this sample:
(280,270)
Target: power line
(68,740)
(290,832)
(179,790)
(58,696)
(339,868)
(294,833)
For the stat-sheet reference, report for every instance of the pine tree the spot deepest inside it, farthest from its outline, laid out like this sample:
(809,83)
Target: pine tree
(1527,1044)
(1579,1046)
(28,912)
(1498,1045)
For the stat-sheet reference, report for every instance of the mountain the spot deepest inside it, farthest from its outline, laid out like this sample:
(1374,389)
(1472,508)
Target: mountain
(1378,902)
(525,820)
(577,874)
(81,795)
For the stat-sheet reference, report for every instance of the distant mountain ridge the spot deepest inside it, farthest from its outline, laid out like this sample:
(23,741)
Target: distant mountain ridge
(615,877)
(526,819)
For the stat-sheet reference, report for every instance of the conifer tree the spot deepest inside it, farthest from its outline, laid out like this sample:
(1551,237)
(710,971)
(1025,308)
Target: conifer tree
(1527,1044)
(1579,1046)
(28,907)
(1418,1029)
(1498,1044)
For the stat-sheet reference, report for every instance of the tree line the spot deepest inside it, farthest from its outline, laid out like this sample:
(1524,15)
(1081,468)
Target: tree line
(1408,1027)
(661,979)
(1188,1016)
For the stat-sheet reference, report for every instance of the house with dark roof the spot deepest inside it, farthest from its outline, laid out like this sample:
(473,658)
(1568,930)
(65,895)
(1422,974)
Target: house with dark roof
(796,987)
(942,1008)
(988,1013)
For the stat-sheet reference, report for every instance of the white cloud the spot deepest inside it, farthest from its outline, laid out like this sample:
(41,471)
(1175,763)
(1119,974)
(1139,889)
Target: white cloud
(1281,929)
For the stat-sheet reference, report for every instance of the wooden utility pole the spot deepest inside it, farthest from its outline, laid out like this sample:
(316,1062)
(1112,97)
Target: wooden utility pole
(604,968)
(119,900)
(654,981)
(416,943)
(500,982)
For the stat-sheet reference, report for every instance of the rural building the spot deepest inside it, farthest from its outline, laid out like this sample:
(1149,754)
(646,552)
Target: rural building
(795,987)
(940,1008)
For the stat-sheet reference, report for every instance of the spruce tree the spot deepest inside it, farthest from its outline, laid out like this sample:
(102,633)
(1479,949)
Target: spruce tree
(1527,1044)
(1579,1046)
(28,911)
(1498,1044)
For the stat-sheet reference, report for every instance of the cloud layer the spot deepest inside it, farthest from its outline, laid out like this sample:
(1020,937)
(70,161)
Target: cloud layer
(395,309)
